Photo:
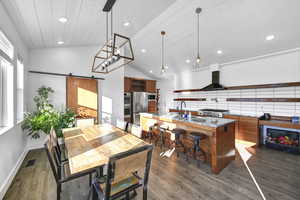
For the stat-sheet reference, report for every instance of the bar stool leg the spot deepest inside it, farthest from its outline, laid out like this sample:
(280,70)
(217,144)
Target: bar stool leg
(161,140)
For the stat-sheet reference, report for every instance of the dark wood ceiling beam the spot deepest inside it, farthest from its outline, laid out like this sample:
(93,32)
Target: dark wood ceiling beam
(273,85)
(190,99)
(264,99)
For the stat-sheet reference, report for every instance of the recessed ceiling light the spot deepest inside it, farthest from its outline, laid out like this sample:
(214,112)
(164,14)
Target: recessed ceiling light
(151,71)
(126,24)
(187,61)
(219,52)
(143,50)
(270,37)
(60,42)
(63,20)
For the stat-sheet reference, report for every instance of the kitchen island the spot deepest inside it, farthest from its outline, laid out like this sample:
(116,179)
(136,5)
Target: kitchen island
(220,145)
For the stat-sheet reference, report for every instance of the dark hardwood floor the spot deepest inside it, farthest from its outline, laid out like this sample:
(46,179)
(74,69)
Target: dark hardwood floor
(275,173)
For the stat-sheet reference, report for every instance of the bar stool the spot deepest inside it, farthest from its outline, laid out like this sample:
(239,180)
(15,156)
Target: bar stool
(179,134)
(158,134)
(192,146)
(150,134)
(163,130)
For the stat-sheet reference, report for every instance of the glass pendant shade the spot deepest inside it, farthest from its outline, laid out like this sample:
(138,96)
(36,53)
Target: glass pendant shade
(198,60)
(163,68)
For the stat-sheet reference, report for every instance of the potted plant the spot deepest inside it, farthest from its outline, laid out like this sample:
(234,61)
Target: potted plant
(46,116)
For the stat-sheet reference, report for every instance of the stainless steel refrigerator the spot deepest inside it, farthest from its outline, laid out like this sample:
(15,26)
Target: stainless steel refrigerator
(139,105)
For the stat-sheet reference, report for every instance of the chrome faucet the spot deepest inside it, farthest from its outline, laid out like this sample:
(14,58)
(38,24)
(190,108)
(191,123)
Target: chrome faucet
(182,102)
(214,99)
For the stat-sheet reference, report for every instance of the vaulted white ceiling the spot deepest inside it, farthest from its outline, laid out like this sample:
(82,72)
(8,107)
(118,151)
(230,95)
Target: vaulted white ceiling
(37,20)
(237,27)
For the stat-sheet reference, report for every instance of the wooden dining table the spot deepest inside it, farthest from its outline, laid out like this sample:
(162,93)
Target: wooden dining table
(90,147)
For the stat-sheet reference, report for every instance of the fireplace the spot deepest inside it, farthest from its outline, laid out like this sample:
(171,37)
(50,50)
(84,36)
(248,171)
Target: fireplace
(282,139)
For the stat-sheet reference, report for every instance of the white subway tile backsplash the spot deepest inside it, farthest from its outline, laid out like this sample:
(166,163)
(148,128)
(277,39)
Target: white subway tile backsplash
(284,92)
(247,108)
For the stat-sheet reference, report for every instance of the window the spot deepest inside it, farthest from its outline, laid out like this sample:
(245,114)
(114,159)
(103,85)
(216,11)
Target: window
(20,90)
(6,82)
(6,93)
(6,46)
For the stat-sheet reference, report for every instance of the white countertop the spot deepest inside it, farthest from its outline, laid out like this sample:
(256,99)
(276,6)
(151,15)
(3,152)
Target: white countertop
(203,121)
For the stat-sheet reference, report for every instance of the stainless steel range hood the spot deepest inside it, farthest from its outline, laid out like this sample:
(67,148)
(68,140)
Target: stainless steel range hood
(215,85)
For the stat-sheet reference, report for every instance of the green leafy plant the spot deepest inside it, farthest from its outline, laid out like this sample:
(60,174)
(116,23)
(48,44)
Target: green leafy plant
(65,119)
(45,116)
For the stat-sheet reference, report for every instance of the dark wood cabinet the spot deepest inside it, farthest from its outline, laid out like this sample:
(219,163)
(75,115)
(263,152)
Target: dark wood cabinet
(236,124)
(246,128)
(152,107)
(139,85)
(127,84)
(151,86)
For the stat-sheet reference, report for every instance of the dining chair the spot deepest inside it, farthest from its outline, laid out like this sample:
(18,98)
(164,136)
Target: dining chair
(136,130)
(84,122)
(61,171)
(121,124)
(59,148)
(123,175)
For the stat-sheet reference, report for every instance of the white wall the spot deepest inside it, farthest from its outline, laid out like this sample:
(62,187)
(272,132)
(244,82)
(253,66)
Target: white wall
(131,71)
(112,94)
(273,69)
(76,60)
(166,94)
(12,142)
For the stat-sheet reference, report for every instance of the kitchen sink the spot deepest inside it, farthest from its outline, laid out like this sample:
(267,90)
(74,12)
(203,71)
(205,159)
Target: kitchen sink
(194,119)
(198,119)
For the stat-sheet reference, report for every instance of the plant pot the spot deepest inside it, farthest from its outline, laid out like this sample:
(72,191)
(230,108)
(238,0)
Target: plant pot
(60,140)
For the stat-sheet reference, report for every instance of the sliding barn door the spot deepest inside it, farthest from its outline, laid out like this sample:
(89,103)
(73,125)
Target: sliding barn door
(82,97)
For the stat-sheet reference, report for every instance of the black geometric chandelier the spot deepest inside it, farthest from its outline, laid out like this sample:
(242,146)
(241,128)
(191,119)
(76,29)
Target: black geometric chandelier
(116,52)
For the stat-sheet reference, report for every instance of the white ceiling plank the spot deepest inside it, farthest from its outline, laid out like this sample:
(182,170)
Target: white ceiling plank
(17,18)
(237,27)
(39,23)
(28,13)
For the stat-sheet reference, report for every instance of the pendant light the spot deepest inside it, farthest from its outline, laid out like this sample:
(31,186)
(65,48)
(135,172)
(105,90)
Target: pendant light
(163,67)
(198,59)
(116,52)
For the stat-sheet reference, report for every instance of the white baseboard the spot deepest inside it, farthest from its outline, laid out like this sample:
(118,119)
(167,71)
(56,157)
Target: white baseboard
(4,187)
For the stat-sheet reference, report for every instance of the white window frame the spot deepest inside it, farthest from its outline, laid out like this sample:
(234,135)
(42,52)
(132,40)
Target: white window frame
(7,94)
(6,46)
(20,91)
(7,87)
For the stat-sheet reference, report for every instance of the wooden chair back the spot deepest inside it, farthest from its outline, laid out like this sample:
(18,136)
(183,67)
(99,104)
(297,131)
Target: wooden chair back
(53,160)
(55,144)
(53,137)
(121,124)
(136,130)
(127,164)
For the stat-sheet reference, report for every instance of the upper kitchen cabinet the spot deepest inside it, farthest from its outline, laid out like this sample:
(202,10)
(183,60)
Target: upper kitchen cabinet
(127,84)
(139,85)
(151,86)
